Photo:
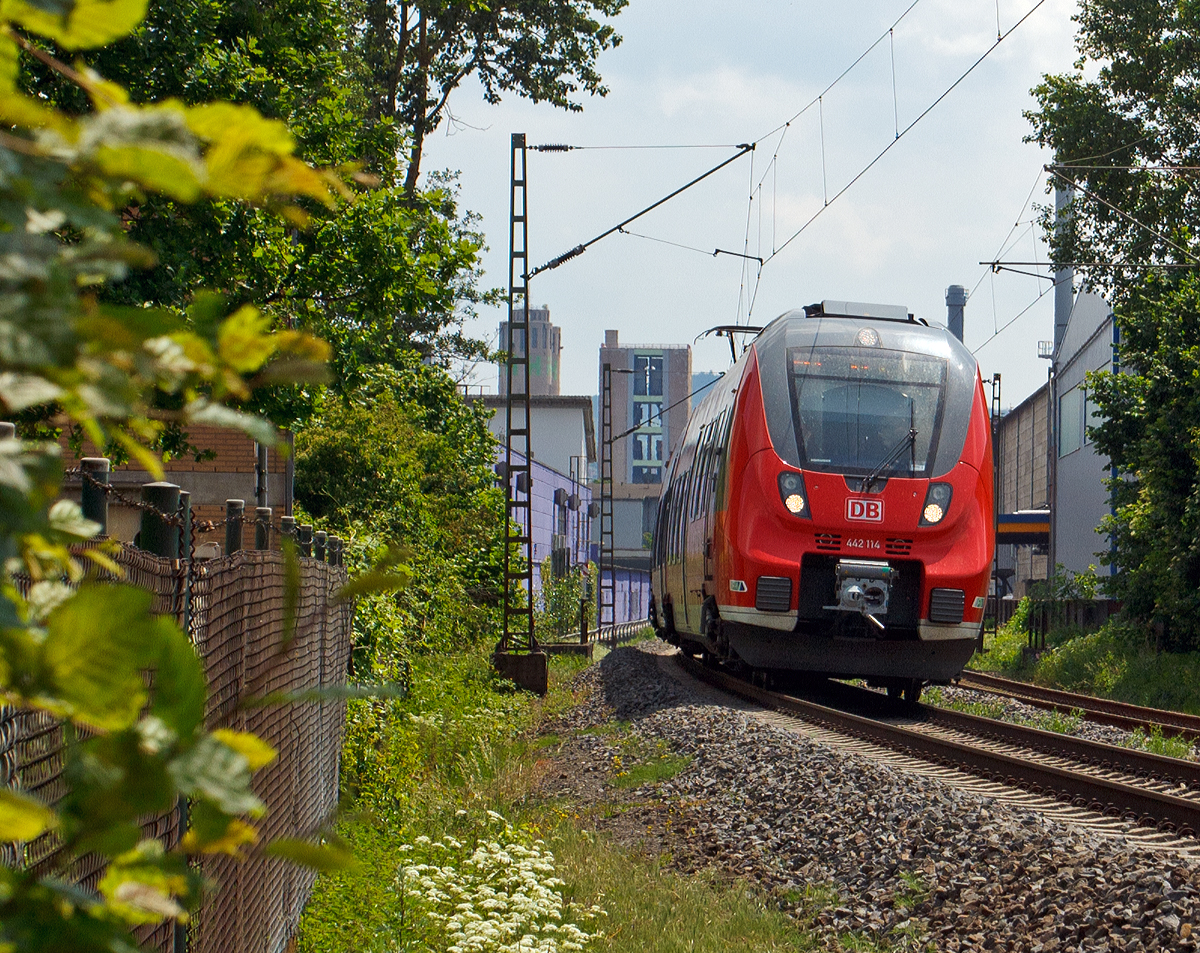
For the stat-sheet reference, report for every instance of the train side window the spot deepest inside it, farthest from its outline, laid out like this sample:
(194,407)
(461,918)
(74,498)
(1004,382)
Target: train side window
(697,466)
(723,463)
(701,466)
(675,499)
(680,513)
(710,469)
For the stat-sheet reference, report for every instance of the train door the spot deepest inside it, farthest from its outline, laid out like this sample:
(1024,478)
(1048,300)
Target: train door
(672,563)
(696,590)
(716,455)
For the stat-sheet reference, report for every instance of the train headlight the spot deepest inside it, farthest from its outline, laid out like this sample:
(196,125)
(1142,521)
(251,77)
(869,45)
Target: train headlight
(937,503)
(793,494)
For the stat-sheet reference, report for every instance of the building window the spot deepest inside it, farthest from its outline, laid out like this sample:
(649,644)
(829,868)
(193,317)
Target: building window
(648,375)
(647,446)
(647,474)
(1092,417)
(1070,421)
(647,413)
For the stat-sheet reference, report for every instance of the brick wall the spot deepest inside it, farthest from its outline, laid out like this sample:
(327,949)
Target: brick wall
(228,475)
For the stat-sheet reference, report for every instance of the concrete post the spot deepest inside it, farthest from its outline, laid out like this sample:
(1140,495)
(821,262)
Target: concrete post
(92,498)
(287,527)
(185,528)
(304,535)
(234,510)
(319,539)
(262,527)
(7,431)
(261,472)
(156,535)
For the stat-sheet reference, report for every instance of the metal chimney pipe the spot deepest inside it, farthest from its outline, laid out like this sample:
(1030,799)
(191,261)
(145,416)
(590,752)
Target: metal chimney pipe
(956,300)
(1064,275)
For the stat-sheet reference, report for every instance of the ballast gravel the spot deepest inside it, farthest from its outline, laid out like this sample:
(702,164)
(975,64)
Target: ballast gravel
(1009,709)
(896,856)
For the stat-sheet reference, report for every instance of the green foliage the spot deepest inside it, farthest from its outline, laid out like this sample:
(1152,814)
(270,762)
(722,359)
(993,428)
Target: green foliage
(82,651)
(391,272)
(1132,103)
(457,714)
(1120,661)
(1065,584)
(558,614)
(417,54)
(403,461)
(468,734)
(415,767)
(1152,438)
(651,771)
(1063,723)
(1154,741)
(1004,651)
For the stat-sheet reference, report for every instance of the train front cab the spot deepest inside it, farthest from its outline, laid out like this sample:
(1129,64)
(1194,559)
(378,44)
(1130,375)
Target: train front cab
(818,401)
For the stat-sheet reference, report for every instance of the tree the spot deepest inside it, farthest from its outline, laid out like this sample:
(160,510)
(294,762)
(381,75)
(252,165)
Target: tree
(403,460)
(386,274)
(1111,135)
(418,53)
(73,648)
(1117,137)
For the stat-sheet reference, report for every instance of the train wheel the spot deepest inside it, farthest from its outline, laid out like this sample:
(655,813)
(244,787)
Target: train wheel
(912,691)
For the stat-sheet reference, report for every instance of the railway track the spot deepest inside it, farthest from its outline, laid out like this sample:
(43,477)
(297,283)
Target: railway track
(1152,790)
(1101,710)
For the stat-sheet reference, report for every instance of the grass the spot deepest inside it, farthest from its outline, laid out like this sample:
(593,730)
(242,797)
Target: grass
(651,772)
(1171,746)
(652,908)
(458,757)
(1062,723)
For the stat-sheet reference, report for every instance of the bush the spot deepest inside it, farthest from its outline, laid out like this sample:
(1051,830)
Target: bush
(558,614)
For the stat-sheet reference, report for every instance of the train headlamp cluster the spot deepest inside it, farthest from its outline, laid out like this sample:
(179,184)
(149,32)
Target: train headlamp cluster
(937,503)
(793,494)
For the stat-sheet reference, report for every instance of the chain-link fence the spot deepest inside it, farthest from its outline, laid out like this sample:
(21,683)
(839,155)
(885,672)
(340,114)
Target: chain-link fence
(234,611)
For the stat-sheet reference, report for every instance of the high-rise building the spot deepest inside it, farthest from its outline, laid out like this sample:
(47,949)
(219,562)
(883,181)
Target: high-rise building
(647,379)
(545,349)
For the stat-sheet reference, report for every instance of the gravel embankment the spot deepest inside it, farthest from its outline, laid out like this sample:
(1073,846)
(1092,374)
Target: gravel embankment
(905,854)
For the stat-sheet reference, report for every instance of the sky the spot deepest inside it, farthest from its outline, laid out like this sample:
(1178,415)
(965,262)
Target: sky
(955,190)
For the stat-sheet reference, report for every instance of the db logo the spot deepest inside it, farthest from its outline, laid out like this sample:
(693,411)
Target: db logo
(866,511)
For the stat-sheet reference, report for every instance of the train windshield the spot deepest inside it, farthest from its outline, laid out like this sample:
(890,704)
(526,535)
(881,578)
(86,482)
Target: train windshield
(854,408)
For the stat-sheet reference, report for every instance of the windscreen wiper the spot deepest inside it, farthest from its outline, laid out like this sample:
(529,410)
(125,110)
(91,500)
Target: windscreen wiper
(907,441)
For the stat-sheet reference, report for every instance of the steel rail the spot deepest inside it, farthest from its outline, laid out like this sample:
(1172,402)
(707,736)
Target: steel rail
(1147,807)
(1101,710)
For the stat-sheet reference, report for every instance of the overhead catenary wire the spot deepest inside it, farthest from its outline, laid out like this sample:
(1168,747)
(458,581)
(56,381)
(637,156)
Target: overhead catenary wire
(703,251)
(903,132)
(1020,314)
(862,56)
(580,249)
(1122,213)
(637,427)
(748,299)
(564,147)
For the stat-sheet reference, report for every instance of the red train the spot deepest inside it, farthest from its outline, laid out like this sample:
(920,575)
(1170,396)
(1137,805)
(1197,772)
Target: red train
(831,507)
